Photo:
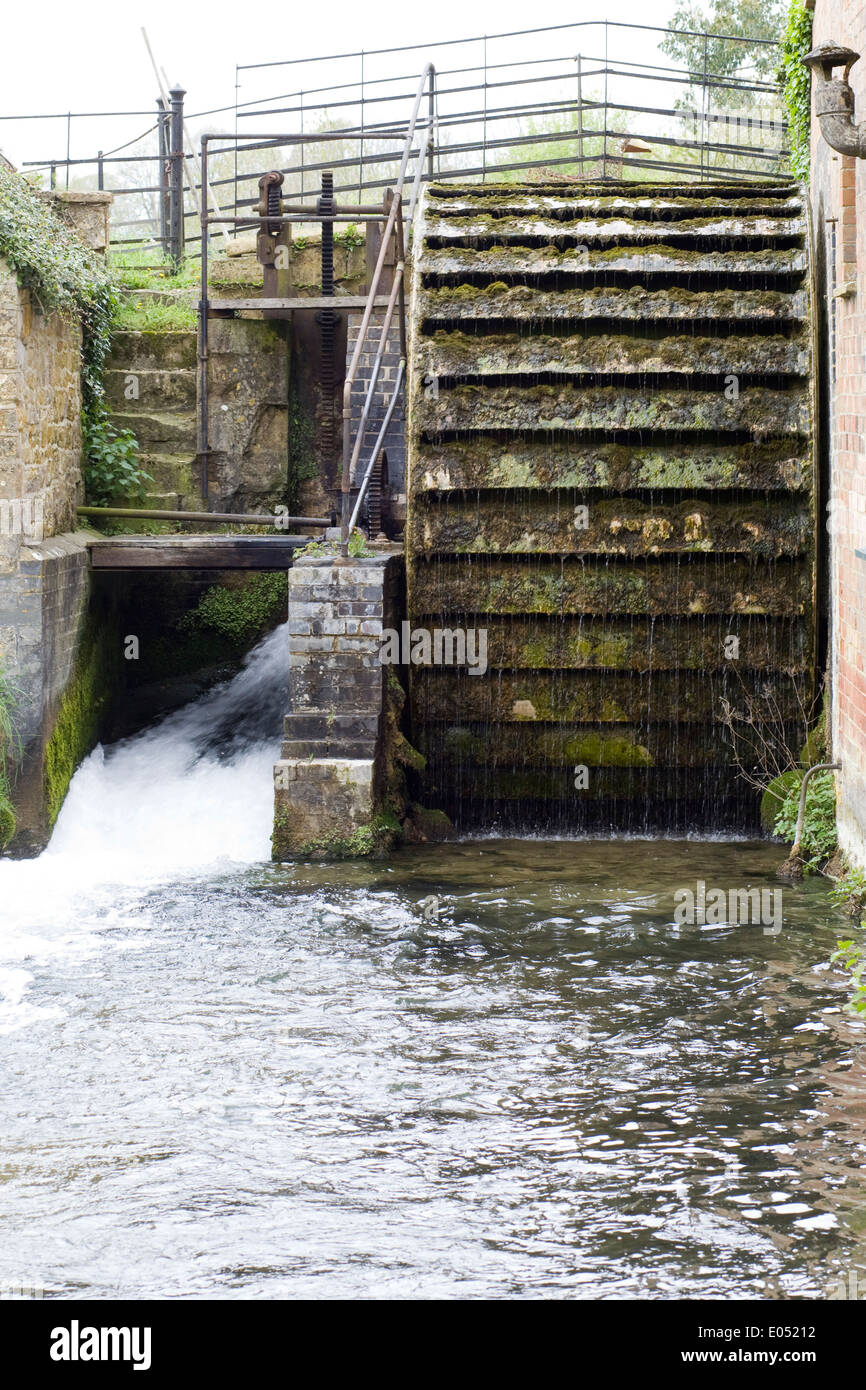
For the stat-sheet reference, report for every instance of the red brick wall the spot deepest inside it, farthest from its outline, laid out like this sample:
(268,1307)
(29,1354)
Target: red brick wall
(838,195)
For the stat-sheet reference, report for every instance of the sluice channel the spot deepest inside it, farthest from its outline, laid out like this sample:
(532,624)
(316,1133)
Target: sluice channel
(611,474)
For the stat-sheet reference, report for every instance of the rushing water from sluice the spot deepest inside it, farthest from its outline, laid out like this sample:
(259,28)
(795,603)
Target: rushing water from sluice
(486,1068)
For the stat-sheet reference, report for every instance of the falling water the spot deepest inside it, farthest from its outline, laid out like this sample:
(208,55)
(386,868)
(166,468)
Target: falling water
(188,798)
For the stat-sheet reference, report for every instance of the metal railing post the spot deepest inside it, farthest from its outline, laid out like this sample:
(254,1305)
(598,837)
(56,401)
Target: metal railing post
(175,215)
(163,180)
(203,364)
(431,123)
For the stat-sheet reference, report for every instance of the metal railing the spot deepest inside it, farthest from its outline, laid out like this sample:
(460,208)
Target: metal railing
(560,97)
(397,228)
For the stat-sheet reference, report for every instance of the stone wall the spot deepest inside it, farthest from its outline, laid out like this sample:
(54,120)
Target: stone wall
(248,413)
(44,579)
(330,782)
(838,196)
(40,429)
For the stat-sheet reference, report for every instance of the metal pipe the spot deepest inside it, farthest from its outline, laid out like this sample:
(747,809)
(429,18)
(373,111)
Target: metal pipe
(203,442)
(834,99)
(801,813)
(176,175)
(209,518)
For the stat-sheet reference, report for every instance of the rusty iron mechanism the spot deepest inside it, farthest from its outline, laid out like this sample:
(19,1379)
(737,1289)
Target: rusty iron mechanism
(272,232)
(327,321)
(834,99)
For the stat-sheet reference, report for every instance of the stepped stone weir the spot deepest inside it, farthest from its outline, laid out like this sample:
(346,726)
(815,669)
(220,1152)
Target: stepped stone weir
(610,470)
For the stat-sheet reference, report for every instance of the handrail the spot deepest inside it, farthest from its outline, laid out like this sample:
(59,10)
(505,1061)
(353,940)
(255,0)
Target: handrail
(394,227)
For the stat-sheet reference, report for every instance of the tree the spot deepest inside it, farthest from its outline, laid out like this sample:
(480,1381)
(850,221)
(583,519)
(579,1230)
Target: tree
(721,44)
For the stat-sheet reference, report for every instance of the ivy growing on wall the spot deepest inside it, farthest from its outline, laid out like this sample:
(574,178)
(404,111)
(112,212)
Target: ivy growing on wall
(796,85)
(65,276)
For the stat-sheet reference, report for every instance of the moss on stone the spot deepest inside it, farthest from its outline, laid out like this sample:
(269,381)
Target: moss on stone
(238,616)
(82,708)
(367,841)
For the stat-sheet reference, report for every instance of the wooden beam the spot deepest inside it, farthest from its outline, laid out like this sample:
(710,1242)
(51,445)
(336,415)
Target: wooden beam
(194,552)
(338,301)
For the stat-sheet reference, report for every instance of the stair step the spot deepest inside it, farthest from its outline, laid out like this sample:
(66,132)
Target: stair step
(543,524)
(491,462)
(155,386)
(172,472)
(517,203)
(155,430)
(456,262)
(444,192)
(459,355)
(529,305)
(614,799)
(761,409)
(469,745)
(598,697)
(136,350)
(670,585)
(621,229)
(574,645)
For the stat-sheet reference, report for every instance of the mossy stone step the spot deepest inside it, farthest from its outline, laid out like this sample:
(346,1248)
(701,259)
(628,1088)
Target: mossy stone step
(562,585)
(135,350)
(163,431)
(637,745)
(556,647)
(616,205)
(620,229)
(176,473)
(488,461)
(539,524)
(522,262)
(528,304)
(599,697)
(152,387)
(454,354)
(761,410)
(613,799)
(626,188)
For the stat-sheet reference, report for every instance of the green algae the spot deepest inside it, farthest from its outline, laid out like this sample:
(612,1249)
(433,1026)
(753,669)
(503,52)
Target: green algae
(83,706)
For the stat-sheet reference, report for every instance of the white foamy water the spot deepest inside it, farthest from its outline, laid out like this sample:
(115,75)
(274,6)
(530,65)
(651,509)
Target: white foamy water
(191,796)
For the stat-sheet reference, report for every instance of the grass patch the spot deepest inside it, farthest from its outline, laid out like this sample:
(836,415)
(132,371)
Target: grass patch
(157,316)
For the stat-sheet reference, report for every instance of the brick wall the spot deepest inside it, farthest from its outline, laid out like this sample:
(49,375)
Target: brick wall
(838,195)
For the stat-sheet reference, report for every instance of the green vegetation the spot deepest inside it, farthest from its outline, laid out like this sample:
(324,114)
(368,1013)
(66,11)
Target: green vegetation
(358,548)
(111,473)
(730,24)
(819,827)
(65,276)
(796,90)
(152,270)
(82,709)
(239,616)
(9,748)
(850,893)
(169,315)
(302,458)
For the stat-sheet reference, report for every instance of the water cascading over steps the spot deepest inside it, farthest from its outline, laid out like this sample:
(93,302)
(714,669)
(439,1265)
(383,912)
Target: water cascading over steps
(611,471)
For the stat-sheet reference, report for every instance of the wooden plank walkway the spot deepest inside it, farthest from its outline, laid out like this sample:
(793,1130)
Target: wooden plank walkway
(194,552)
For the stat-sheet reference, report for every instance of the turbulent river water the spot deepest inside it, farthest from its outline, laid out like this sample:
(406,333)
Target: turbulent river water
(485,1068)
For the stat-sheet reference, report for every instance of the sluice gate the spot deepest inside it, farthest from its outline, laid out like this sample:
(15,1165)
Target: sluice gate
(610,474)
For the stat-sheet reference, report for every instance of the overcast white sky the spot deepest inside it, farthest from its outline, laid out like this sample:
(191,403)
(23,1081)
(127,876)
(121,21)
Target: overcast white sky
(91,57)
